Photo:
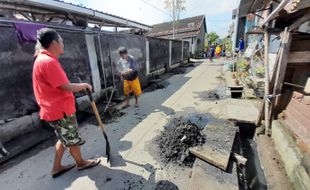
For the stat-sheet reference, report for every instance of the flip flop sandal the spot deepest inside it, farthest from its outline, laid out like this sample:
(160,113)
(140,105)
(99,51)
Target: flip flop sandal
(64,170)
(82,142)
(90,165)
(126,106)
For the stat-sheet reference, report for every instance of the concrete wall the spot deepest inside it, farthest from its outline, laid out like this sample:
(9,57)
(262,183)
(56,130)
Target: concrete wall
(176,54)
(296,160)
(186,48)
(82,59)
(16,94)
(136,47)
(90,56)
(159,53)
(201,40)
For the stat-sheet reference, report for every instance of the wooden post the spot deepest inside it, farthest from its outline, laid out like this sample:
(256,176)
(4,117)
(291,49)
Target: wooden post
(266,63)
(282,65)
(307,87)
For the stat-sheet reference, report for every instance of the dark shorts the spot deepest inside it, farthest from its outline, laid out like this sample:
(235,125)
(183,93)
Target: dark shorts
(66,130)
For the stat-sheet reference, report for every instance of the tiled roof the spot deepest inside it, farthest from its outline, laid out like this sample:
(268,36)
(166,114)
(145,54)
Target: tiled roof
(187,25)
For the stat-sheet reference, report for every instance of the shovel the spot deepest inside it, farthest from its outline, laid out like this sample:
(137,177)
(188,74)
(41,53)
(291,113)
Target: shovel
(95,110)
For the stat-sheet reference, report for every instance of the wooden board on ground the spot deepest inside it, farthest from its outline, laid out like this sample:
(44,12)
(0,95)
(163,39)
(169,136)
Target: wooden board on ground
(206,176)
(219,141)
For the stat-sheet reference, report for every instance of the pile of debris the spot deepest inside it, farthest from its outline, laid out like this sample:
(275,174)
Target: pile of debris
(213,95)
(174,142)
(159,84)
(178,70)
(110,116)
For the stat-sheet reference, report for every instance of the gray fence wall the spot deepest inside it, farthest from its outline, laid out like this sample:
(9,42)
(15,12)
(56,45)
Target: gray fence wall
(83,58)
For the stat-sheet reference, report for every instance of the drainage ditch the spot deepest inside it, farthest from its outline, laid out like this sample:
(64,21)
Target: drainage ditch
(251,176)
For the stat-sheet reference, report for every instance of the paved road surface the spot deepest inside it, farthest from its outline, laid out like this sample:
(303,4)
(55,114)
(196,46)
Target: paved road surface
(131,136)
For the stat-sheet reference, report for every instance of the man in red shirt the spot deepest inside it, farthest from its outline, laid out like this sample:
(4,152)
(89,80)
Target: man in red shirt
(54,94)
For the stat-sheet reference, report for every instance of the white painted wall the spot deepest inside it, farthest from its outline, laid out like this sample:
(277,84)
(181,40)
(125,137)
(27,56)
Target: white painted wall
(93,62)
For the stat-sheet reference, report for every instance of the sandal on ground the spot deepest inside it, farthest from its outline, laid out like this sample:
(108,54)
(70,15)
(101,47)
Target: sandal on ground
(82,142)
(63,170)
(126,106)
(89,165)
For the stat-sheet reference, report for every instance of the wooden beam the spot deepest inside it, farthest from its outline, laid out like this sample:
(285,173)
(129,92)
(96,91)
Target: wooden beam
(283,62)
(25,15)
(280,69)
(307,87)
(33,17)
(299,57)
(299,22)
(50,19)
(300,45)
(304,66)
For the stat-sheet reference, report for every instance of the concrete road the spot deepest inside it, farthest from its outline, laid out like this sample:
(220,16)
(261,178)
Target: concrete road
(131,137)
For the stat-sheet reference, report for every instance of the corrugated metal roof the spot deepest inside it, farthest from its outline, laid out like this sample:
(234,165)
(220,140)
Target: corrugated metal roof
(61,7)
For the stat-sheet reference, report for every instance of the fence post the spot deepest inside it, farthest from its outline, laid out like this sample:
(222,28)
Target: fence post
(147,54)
(170,54)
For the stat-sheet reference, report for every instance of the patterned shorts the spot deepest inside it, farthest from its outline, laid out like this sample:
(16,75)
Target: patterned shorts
(66,130)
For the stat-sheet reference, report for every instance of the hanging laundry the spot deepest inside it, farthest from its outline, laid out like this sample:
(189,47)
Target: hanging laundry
(27,32)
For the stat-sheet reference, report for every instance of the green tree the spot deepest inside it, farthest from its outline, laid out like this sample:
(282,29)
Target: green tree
(212,37)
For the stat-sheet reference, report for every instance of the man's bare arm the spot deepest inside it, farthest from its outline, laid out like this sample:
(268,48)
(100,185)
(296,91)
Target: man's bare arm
(76,87)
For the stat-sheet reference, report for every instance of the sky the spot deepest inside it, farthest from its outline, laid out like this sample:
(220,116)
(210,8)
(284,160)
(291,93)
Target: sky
(217,12)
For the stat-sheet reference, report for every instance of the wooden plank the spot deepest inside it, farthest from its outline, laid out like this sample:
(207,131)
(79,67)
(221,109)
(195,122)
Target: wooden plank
(300,45)
(282,68)
(219,141)
(206,176)
(307,87)
(301,109)
(299,57)
(299,22)
(297,128)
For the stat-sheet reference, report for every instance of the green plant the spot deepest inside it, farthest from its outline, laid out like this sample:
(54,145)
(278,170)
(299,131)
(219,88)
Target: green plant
(260,70)
(243,65)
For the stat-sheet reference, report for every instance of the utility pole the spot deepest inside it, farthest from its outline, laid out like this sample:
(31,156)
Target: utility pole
(173,17)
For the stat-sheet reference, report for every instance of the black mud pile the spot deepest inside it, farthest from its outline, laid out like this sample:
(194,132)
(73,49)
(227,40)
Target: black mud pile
(212,95)
(178,70)
(166,185)
(176,139)
(111,115)
(156,86)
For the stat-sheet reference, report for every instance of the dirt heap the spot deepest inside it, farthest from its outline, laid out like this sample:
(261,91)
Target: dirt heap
(166,185)
(176,139)
(110,116)
(213,95)
(178,70)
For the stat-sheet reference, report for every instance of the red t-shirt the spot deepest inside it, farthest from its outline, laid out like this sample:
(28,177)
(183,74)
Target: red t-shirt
(47,77)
